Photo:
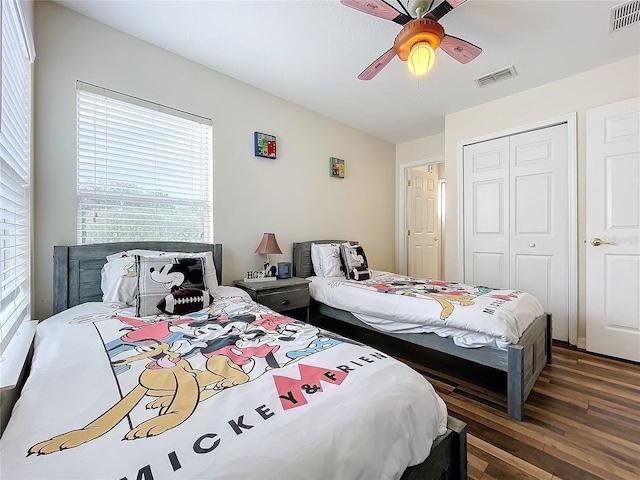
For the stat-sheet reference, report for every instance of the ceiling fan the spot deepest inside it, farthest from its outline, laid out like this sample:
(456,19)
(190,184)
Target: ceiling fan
(419,37)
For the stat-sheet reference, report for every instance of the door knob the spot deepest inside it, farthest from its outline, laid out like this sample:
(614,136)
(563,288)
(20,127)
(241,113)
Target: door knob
(596,242)
(435,239)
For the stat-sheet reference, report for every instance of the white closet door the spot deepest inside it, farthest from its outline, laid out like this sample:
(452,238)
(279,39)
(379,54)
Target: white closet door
(539,236)
(486,213)
(516,225)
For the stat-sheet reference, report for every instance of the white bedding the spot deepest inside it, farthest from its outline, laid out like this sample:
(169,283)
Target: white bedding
(474,316)
(327,408)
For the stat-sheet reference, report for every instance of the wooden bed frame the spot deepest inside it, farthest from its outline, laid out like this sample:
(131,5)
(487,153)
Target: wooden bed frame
(522,362)
(76,280)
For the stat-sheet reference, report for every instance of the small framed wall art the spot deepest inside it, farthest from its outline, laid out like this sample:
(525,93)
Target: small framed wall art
(264,145)
(336,167)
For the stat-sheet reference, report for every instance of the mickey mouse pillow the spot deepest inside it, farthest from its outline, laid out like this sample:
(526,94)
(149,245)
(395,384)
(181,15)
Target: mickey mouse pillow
(160,276)
(354,262)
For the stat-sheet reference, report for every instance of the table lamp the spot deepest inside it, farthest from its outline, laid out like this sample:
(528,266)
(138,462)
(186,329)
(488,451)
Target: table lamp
(268,245)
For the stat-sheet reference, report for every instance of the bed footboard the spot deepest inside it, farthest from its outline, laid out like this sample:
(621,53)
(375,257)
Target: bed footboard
(448,456)
(526,361)
(522,362)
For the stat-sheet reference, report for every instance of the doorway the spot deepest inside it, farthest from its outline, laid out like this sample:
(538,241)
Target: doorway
(421,208)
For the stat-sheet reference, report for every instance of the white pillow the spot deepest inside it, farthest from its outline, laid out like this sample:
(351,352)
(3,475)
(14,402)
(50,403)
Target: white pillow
(315,260)
(325,258)
(119,281)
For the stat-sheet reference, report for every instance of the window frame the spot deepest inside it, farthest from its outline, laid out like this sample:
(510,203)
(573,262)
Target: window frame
(16,132)
(145,170)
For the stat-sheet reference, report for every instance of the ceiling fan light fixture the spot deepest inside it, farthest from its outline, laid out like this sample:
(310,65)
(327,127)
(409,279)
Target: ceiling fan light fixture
(423,28)
(420,30)
(421,58)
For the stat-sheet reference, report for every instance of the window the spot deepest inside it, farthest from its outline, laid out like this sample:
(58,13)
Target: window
(15,175)
(145,171)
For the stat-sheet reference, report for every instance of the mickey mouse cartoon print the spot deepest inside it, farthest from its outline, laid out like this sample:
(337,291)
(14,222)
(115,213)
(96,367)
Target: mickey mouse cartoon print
(161,275)
(173,276)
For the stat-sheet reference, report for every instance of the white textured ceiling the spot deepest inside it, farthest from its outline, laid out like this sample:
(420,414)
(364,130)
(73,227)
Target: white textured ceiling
(311,51)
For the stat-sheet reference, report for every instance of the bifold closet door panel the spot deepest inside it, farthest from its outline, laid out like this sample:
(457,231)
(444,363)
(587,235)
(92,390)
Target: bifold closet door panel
(539,237)
(486,213)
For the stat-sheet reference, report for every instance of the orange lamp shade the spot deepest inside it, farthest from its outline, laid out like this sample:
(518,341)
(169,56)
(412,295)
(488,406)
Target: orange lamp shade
(268,245)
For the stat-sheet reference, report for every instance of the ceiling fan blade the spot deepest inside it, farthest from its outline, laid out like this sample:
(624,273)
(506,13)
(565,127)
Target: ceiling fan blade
(373,69)
(442,9)
(459,49)
(378,8)
(404,9)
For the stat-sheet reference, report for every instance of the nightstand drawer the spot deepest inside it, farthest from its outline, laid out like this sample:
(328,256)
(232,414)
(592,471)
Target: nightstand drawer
(281,295)
(287,300)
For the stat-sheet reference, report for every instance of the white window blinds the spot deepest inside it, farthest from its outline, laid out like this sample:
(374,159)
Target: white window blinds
(145,171)
(15,179)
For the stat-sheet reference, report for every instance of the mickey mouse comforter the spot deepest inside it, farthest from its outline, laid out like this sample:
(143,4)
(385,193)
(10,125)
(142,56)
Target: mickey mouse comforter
(233,391)
(474,316)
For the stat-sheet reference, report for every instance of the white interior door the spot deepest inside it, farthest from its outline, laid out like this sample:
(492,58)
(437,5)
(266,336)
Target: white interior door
(486,213)
(423,241)
(613,229)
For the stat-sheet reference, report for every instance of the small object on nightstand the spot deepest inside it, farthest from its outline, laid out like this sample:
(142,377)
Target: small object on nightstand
(282,296)
(284,270)
(258,276)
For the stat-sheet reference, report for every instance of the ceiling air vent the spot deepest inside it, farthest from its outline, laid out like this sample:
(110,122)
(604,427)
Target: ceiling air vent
(624,15)
(496,76)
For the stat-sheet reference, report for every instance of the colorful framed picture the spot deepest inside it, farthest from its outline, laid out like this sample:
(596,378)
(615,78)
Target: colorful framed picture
(264,145)
(336,167)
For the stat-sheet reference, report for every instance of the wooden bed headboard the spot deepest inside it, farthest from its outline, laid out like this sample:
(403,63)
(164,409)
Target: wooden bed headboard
(77,268)
(302,266)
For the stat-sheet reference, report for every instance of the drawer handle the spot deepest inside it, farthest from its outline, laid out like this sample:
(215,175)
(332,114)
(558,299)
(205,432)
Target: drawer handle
(285,302)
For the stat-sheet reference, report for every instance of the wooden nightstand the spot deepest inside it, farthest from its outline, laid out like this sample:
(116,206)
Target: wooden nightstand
(281,295)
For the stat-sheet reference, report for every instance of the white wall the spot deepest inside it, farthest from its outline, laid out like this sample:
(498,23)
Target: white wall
(610,83)
(420,149)
(292,196)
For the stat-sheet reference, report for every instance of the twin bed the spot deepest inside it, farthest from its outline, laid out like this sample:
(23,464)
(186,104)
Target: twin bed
(234,390)
(522,359)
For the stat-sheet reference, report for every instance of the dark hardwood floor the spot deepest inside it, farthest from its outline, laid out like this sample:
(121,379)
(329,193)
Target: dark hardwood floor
(582,419)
